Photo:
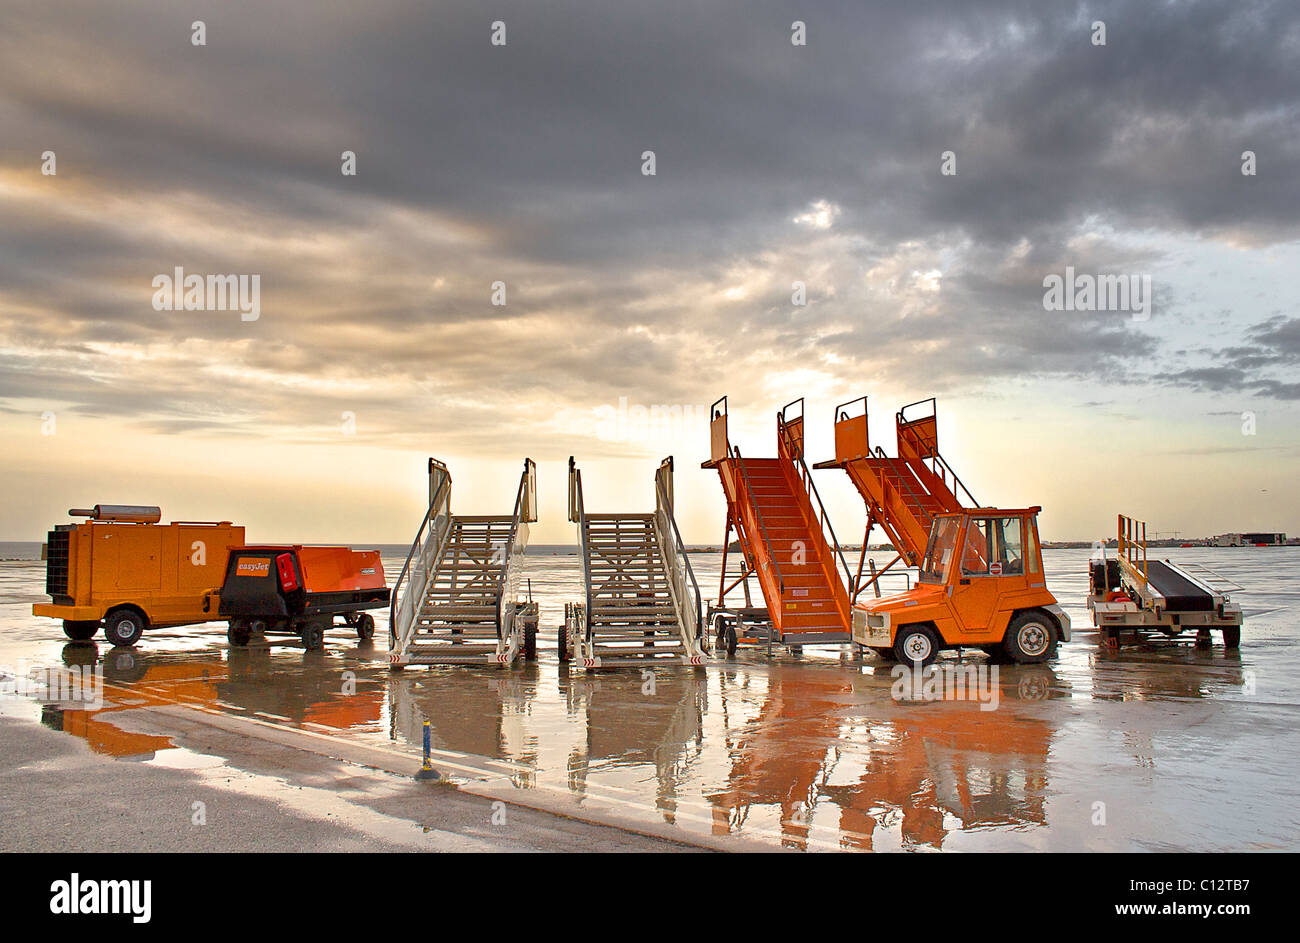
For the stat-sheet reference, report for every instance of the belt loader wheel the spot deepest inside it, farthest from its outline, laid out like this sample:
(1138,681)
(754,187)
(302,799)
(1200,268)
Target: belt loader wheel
(562,642)
(239,633)
(123,627)
(365,627)
(80,631)
(530,640)
(1031,638)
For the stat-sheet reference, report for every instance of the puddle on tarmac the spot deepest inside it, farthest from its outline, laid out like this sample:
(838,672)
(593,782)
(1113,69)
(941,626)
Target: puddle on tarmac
(1183,748)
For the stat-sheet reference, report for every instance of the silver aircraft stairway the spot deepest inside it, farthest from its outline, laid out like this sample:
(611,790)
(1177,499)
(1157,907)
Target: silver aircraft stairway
(456,601)
(642,603)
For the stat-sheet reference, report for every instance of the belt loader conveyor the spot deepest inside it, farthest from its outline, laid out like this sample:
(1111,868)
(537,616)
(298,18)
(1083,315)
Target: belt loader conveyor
(1130,593)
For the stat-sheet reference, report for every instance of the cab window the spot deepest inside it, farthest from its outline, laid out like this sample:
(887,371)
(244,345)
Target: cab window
(994,547)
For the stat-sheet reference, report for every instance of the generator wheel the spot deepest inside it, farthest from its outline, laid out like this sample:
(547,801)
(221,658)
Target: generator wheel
(729,638)
(313,635)
(238,633)
(80,631)
(562,643)
(365,627)
(123,627)
(1030,638)
(1232,637)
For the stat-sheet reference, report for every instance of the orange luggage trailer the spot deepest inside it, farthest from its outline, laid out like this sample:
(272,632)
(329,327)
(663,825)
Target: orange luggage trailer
(123,570)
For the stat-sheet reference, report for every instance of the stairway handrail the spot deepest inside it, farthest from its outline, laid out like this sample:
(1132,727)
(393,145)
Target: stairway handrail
(734,452)
(525,480)
(578,514)
(441,499)
(664,506)
(957,481)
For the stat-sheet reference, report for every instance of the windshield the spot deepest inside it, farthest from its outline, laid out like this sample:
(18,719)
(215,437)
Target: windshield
(938,554)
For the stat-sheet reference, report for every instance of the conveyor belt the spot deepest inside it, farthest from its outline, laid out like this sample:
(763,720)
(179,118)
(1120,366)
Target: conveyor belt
(1181,594)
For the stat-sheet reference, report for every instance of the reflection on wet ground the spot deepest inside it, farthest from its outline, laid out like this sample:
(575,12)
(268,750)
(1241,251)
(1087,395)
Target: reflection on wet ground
(1177,747)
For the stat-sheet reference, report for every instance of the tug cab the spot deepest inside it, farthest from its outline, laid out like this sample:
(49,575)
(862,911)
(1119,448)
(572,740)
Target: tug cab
(980,585)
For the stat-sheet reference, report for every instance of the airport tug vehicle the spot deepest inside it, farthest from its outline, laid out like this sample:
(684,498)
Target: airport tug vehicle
(1131,594)
(980,585)
(124,571)
(300,590)
(980,569)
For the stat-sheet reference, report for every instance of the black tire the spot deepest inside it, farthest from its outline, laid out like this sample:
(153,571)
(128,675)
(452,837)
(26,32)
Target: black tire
(124,627)
(80,631)
(1232,637)
(884,654)
(365,627)
(313,635)
(530,640)
(238,633)
(1030,638)
(562,642)
(729,639)
(913,643)
(997,654)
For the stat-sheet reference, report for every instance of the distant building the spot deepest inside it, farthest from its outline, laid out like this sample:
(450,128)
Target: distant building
(1248,540)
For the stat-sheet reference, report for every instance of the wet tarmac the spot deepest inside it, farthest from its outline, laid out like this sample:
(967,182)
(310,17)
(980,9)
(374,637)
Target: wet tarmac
(1160,747)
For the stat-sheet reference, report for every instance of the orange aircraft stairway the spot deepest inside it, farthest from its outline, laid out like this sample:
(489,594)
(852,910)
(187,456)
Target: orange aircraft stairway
(786,541)
(902,494)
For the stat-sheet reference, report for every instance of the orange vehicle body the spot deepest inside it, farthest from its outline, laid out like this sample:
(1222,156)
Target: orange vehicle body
(164,571)
(981,582)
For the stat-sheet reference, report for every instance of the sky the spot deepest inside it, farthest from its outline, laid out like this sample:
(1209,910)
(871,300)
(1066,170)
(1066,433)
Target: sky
(627,295)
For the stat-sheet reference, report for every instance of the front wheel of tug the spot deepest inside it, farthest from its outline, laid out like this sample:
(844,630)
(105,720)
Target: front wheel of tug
(365,627)
(80,631)
(916,643)
(1232,637)
(124,627)
(1031,638)
(238,633)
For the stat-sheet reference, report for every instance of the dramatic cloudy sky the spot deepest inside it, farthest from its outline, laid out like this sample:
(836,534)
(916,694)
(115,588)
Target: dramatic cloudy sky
(522,164)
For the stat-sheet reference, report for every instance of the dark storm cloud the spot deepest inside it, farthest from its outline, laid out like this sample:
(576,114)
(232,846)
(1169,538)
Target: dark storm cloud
(522,163)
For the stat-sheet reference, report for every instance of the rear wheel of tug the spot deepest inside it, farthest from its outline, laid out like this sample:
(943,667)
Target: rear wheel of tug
(80,631)
(1031,638)
(1232,637)
(916,643)
(238,633)
(885,654)
(313,635)
(124,627)
(365,627)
